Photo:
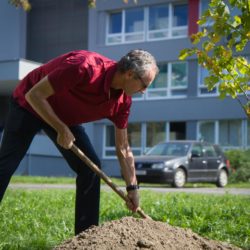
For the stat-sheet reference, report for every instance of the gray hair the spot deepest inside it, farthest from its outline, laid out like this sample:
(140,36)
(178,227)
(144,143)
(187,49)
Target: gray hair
(138,61)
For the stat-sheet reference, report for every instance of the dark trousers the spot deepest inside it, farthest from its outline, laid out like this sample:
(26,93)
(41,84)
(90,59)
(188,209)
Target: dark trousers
(20,128)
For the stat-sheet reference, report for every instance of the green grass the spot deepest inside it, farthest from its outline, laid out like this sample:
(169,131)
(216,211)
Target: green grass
(42,180)
(41,219)
(117,181)
(35,219)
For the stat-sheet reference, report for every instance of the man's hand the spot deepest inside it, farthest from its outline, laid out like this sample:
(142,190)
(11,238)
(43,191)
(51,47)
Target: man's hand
(65,138)
(37,97)
(133,203)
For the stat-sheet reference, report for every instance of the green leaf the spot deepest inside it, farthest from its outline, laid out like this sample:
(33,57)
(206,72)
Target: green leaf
(186,52)
(237,19)
(210,81)
(222,95)
(208,46)
(243,70)
(240,46)
(183,54)
(215,38)
(202,21)
(232,33)
(195,38)
(214,3)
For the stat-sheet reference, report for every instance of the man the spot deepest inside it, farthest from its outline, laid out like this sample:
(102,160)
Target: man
(74,88)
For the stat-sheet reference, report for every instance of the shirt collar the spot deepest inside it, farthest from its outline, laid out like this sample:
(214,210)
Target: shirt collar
(109,77)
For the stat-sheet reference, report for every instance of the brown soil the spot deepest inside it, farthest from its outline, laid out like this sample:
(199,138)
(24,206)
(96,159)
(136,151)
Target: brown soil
(140,234)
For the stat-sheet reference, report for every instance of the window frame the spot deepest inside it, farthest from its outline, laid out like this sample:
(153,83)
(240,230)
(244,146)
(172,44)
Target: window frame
(243,128)
(168,89)
(229,138)
(143,142)
(202,86)
(205,25)
(144,148)
(146,32)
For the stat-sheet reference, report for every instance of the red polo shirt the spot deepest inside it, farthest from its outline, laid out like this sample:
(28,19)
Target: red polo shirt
(81,81)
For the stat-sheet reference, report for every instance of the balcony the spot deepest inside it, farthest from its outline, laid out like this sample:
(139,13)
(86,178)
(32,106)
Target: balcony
(12,71)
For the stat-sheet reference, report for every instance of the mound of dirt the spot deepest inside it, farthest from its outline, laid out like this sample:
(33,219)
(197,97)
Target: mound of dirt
(136,234)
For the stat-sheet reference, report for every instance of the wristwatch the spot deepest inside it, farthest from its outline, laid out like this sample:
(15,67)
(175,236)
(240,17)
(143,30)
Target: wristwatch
(132,187)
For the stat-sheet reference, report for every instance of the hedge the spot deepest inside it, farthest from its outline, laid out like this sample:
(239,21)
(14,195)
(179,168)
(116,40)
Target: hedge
(240,165)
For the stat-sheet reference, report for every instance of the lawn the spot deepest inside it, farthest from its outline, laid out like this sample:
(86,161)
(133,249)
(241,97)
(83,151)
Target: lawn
(41,219)
(70,180)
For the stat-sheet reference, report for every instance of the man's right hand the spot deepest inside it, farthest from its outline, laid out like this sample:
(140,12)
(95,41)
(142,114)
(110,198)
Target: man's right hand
(133,203)
(65,138)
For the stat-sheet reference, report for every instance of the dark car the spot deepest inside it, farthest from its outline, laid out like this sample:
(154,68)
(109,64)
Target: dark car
(178,162)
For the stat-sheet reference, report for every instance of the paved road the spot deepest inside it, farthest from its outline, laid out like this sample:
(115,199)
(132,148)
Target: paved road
(235,191)
(220,191)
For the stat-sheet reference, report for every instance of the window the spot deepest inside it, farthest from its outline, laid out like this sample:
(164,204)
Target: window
(197,150)
(158,88)
(141,136)
(134,137)
(248,61)
(179,79)
(204,5)
(209,151)
(180,17)
(109,141)
(207,131)
(227,133)
(230,133)
(115,23)
(156,132)
(134,25)
(158,22)
(170,82)
(203,73)
(155,22)
(115,28)
(202,87)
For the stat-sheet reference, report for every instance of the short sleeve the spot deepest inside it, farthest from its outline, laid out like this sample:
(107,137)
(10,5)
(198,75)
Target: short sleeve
(68,73)
(120,119)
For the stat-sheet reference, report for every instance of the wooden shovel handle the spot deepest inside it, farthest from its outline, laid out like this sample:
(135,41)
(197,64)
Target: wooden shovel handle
(104,177)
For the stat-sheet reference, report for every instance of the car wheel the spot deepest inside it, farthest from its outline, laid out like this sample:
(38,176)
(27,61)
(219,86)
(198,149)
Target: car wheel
(179,178)
(222,179)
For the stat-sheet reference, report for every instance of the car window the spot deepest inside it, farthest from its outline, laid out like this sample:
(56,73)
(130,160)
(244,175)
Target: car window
(170,149)
(157,150)
(209,151)
(218,150)
(196,150)
(178,149)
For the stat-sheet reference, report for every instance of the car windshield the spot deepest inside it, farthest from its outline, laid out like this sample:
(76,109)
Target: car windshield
(170,149)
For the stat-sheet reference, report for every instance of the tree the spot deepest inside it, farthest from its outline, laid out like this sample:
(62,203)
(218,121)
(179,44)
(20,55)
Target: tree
(220,47)
(21,3)
(25,4)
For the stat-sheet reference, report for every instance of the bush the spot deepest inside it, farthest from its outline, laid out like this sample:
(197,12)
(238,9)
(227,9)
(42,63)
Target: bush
(241,175)
(240,165)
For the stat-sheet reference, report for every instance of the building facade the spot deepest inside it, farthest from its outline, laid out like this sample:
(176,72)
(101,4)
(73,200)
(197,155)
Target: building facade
(176,106)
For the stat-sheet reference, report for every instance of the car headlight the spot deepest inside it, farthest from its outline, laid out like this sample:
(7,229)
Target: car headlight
(158,165)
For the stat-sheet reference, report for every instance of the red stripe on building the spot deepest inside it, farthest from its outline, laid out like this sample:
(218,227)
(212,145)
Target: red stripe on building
(193,16)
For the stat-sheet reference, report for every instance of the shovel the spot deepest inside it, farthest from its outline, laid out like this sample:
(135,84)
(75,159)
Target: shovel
(104,177)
